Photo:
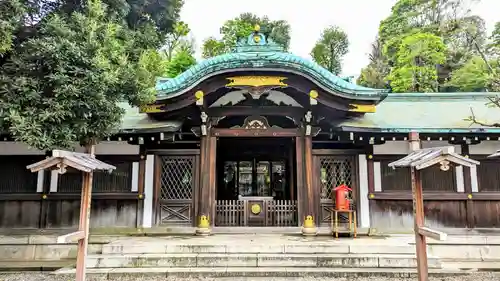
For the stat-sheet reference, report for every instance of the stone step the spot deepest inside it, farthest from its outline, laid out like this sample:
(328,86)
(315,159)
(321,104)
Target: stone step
(211,272)
(160,248)
(256,260)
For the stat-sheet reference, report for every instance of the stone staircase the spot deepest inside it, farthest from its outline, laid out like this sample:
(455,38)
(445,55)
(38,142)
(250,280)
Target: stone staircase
(257,257)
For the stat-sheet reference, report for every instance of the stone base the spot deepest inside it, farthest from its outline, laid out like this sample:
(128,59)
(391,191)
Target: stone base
(309,231)
(203,231)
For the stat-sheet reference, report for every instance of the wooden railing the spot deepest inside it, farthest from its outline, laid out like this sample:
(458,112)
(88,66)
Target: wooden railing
(230,212)
(237,212)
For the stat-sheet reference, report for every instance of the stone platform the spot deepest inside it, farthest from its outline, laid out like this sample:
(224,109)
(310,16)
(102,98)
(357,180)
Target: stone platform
(265,255)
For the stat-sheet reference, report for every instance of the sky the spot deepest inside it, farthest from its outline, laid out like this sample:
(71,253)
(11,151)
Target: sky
(359,18)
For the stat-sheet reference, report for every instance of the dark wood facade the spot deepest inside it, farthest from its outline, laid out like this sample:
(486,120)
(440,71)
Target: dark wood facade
(115,205)
(244,157)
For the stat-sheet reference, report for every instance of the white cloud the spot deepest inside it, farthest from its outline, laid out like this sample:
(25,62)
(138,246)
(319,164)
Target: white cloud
(359,18)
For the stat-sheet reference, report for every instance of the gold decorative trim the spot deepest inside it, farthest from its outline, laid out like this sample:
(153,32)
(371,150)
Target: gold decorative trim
(151,108)
(364,108)
(256,81)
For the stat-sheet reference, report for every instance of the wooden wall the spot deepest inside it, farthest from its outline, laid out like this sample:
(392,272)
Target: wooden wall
(21,206)
(445,204)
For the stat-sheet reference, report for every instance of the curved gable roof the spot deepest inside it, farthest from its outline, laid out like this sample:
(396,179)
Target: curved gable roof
(257,53)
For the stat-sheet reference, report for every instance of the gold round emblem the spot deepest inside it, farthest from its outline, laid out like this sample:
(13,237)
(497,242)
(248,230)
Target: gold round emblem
(198,95)
(256,38)
(313,94)
(255,209)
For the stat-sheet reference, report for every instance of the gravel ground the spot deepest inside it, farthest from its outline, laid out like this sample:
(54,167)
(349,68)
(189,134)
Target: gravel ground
(48,277)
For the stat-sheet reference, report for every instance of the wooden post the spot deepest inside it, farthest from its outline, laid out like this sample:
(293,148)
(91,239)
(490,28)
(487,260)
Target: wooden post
(204,178)
(84,219)
(310,208)
(418,213)
(212,179)
(469,205)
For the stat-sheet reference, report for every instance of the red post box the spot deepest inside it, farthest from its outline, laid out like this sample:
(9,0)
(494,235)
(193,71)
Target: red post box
(342,197)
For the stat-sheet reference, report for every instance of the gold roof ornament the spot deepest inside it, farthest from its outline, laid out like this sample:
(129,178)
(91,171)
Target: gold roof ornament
(256,28)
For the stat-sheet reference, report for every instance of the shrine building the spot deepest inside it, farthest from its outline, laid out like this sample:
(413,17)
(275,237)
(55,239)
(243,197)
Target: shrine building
(261,137)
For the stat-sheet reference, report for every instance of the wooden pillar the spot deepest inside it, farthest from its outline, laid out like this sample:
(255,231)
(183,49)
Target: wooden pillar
(469,205)
(212,178)
(204,178)
(418,212)
(308,172)
(299,151)
(84,224)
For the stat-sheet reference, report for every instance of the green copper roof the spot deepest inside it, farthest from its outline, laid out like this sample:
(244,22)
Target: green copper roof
(438,112)
(261,54)
(398,113)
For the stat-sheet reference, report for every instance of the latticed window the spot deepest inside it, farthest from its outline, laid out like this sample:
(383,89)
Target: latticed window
(177,177)
(335,171)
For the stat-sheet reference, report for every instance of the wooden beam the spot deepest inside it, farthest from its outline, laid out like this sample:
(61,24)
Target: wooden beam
(71,237)
(218,132)
(431,233)
(261,110)
(428,196)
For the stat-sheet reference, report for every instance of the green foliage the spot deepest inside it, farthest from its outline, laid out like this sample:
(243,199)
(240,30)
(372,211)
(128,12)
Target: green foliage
(462,36)
(330,49)
(472,77)
(176,39)
(212,47)
(12,12)
(374,74)
(494,46)
(63,85)
(180,63)
(371,77)
(415,66)
(242,26)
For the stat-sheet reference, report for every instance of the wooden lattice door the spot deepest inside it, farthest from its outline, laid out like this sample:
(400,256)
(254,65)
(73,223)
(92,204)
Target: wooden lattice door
(177,182)
(332,171)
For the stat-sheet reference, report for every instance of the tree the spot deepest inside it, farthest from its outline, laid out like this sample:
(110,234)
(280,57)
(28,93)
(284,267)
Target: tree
(176,39)
(374,74)
(472,77)
(330,49)
(212,47)
(12,12)
(463,35)
(63,85)
(180,63)
(415,63)
(494,45)
(242,26)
